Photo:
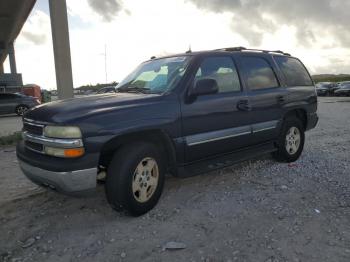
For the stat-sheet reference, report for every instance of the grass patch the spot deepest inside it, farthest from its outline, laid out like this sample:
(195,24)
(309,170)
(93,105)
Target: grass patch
(10,139)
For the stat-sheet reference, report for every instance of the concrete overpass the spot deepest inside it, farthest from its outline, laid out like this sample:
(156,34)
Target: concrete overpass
(13,15)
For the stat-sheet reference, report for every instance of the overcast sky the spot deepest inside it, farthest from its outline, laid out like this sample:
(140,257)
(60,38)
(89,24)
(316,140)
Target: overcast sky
(316,31)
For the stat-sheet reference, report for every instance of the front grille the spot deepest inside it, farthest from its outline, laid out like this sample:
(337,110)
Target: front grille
(33,128)
(34,146)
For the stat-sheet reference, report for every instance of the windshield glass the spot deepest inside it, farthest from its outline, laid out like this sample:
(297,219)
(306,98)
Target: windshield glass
(156,76)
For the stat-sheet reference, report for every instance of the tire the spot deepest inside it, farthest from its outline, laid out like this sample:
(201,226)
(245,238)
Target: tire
(21,109)
(128,184)
(291,141)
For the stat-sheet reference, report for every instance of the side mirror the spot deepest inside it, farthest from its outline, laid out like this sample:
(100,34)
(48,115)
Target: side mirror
(205,87)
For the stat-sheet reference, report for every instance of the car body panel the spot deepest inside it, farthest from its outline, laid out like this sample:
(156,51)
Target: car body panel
(199,128)
(9,102)
(343,90)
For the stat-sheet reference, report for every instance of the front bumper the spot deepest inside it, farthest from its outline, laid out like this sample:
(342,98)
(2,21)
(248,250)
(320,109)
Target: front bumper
(70,176)
(322,93)
(69,182)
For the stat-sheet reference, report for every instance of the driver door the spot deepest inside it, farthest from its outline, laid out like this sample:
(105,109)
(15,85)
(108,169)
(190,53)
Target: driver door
(213,124)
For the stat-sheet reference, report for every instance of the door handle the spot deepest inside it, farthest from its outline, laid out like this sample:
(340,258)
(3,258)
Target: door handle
(243,105)
(280,99)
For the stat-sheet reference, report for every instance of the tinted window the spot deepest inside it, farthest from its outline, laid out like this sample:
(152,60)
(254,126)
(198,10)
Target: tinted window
(259,74)
(346,85)
(294,71)
(221,69)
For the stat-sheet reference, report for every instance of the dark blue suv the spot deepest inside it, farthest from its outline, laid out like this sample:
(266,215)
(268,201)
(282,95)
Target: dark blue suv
(184,115)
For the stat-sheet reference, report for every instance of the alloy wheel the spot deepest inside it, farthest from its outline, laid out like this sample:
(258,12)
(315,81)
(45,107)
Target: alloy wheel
(145,180)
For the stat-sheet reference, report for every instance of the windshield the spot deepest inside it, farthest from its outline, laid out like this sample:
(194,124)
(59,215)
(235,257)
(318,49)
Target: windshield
(346,85)
(156,76)
(323,85)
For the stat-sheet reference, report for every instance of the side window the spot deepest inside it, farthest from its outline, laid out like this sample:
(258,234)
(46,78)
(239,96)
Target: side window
(259,74)
(294,71)
(221,69)
(12,96)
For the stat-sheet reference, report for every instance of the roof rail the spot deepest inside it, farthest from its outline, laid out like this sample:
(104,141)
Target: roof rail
(241,48)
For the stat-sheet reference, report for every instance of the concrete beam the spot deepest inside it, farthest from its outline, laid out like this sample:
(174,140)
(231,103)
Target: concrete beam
(61,48)
(12,58)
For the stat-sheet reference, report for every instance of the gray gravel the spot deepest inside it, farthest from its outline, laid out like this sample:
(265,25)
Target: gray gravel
(10,124)
(258,210)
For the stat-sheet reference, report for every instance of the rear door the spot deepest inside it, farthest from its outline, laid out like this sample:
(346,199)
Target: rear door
(2,103)
(8,103)
(266,95)
(212,124)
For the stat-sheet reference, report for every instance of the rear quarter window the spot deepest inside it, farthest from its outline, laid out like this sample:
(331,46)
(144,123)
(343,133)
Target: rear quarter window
(294,71)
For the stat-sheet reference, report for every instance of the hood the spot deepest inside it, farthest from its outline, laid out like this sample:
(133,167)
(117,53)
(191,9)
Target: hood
(68,110)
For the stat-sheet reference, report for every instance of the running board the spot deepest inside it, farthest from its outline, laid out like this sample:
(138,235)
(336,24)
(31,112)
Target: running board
(226,160)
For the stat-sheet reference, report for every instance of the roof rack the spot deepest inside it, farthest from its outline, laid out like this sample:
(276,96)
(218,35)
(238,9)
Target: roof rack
(241,48)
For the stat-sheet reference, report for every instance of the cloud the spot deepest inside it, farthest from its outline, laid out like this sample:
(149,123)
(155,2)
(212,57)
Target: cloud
(107,9)
(37,39)
(37,28)
(312,19)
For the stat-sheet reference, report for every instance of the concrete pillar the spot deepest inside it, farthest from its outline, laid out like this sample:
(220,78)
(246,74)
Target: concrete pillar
(61,48)
(12,58)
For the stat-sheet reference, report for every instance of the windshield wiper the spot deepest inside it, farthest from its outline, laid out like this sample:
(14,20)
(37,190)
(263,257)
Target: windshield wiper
(142,90)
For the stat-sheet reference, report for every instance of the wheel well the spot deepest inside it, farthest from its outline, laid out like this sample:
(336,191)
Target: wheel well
(300,114)
(17,106)
(156,137)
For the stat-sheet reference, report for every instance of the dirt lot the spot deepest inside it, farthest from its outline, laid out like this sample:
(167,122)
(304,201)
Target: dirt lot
(258,210)
(10,124)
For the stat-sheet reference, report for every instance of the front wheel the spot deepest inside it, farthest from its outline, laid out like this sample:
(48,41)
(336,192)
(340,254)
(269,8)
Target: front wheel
(21,109)
(135,178)
(290,143)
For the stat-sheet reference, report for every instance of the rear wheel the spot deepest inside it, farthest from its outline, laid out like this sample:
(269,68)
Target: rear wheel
(291,141)
(135,178)
(21,109)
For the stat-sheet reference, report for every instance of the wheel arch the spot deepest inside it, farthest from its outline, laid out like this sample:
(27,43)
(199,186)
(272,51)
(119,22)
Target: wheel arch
(299,113)
(21,104)
(156,136)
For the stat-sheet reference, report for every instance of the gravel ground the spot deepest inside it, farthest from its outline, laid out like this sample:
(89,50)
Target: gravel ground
(258,210)
(10,124)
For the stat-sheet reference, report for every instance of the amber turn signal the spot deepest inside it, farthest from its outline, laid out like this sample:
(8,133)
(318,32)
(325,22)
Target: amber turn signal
(76,152)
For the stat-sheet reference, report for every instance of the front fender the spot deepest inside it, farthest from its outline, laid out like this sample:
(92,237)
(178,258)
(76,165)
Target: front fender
(168,125)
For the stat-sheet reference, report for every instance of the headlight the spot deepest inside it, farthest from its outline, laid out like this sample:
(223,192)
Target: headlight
(62,132)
